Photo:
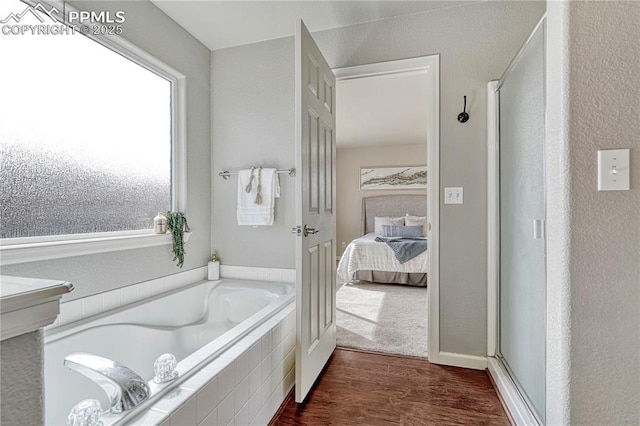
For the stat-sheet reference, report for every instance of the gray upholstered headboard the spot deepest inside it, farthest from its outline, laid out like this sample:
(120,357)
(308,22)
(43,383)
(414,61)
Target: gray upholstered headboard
(391,205)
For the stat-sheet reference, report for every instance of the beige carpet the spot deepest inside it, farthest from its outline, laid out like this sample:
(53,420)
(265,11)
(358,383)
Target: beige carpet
(384,318)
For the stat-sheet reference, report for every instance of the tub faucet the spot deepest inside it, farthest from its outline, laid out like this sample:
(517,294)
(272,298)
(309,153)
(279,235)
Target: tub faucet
(124,388)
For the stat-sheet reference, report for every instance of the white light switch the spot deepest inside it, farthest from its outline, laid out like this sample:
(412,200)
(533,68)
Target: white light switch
(453,195)
(613,170)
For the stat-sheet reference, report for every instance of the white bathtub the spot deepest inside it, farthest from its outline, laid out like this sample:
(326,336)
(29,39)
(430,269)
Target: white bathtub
(197,324)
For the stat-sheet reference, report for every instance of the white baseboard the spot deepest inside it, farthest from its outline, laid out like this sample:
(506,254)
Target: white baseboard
(518,408)
(462,360)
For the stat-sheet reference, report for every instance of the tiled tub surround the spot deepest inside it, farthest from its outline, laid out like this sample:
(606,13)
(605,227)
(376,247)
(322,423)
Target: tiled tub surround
(260,274)
(244,386)
(90,306)
(137,334)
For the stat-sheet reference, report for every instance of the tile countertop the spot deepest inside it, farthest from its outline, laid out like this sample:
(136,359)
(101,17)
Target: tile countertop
(27,304)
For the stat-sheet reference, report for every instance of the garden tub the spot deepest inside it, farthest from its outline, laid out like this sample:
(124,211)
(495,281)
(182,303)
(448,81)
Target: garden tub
(196,324)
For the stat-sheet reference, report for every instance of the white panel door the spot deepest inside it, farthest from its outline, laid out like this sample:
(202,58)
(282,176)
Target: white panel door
(315,212)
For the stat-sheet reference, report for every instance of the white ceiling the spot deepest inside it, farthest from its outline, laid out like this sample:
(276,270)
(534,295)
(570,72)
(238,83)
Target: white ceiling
(381,111)
(219,24)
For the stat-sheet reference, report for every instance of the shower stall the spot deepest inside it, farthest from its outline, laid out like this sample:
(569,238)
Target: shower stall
(517,214)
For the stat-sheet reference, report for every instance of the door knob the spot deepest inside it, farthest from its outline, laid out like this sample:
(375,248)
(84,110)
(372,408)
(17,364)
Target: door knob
(306,231)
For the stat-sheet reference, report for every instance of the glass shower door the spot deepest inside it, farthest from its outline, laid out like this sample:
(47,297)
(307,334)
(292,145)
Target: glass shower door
(522,213)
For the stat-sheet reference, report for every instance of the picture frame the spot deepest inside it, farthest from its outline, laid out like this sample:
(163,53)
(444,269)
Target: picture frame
(396,177)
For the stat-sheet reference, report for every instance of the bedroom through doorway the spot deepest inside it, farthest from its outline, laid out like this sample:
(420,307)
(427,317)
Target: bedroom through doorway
(386,119)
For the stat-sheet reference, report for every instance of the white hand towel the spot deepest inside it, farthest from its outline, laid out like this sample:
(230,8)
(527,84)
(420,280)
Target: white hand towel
(250,213)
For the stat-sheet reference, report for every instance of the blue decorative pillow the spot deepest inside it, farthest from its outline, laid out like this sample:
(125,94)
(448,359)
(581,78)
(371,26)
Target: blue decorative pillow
(402,231)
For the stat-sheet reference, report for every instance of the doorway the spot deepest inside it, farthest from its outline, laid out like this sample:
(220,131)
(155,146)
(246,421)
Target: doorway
(387,117)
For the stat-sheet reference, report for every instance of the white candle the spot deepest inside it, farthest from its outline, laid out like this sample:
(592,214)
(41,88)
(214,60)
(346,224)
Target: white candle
(160,224)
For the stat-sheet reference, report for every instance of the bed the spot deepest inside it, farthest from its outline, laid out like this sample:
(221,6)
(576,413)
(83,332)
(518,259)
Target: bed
(366,259)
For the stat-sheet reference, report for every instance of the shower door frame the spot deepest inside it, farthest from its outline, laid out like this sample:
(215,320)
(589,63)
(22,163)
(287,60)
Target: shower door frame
(519,408)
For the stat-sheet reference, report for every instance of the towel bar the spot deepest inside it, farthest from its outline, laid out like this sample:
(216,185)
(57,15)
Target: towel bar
(226,174)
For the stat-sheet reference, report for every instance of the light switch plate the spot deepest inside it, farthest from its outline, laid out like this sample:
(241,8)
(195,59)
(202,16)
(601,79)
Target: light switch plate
(453,195)
(613,170)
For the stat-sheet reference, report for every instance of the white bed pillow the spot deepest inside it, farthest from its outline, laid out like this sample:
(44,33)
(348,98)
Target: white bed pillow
(390,221)
(417,221)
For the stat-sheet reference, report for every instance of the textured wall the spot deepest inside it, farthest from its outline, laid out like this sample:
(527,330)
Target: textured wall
(349,196)
(594,274)
(150,29)
(22,380)
(558,230)
(253,87)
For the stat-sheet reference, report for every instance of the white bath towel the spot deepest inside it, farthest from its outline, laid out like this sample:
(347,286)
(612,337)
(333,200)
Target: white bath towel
(250,213)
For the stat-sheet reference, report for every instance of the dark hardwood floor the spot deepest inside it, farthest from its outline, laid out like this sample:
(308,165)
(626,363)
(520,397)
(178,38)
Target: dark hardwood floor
(369,389)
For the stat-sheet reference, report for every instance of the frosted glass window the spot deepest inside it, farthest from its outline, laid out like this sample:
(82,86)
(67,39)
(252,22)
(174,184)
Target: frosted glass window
(85,138)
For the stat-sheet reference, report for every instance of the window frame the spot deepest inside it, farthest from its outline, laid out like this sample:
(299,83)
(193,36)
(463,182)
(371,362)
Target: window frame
(30,249)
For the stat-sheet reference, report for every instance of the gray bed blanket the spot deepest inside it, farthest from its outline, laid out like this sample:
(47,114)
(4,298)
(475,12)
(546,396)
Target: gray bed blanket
(405,249)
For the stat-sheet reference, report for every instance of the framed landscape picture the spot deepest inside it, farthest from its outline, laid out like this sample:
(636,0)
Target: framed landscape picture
(408,177)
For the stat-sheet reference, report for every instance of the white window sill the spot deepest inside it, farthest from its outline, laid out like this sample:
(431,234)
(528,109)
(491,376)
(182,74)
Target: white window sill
(23,252)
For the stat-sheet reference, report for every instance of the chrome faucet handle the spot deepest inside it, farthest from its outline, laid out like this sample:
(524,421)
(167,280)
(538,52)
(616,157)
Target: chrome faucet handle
(124,388)
(164,368)
(85,413)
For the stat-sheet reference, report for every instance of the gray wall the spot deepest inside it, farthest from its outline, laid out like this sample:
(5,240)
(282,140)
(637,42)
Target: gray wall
(252,104)
(150,29)
(22,379)
(252,98)
(593,312)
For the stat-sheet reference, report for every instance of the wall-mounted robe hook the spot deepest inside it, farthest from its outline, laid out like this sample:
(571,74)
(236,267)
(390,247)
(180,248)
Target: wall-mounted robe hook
(463,117)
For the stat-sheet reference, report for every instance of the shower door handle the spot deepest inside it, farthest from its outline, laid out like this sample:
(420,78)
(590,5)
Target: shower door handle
(538,229)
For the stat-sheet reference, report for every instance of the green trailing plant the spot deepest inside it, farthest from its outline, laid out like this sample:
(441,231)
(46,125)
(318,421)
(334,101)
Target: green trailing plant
(177,225)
